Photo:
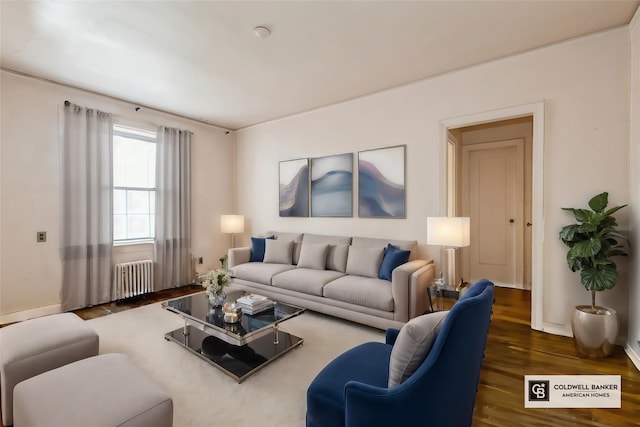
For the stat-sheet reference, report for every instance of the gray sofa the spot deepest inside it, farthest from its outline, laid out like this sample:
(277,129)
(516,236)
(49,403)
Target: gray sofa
(336,275)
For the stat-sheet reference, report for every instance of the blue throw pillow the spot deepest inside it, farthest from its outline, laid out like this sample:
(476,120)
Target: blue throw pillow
(257,248)
(393,257)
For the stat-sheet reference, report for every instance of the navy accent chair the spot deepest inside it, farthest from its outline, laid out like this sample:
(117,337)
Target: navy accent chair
(352,390)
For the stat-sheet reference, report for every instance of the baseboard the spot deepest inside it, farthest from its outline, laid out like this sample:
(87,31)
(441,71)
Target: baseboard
(555,329)
(19,316)
(635,357)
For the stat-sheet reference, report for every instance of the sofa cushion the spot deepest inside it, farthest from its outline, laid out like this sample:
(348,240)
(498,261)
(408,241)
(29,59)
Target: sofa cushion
(370,242)
(257,248)
(313,255)
(412,345)
(363,261)
(259,272)
(278,251)
(295,256)
(364,291)
(296,238)
(393,257)
(305,280)
(337,257)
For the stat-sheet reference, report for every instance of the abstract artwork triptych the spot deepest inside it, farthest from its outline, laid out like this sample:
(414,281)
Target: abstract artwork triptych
(323,186)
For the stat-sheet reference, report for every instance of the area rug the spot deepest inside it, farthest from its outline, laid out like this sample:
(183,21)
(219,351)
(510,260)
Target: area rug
(203,396)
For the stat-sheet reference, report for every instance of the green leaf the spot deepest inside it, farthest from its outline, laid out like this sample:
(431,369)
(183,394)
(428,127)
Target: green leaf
(599,202)
(598,279)
(587,227)
(618,252)
(598,263)
(614,210)
(582,215)
(607,222)
(568,232)
(573,263)
(585,248)
(579,214)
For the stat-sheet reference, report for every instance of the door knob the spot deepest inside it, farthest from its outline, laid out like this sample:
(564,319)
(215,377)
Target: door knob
(529,224)
(512,220)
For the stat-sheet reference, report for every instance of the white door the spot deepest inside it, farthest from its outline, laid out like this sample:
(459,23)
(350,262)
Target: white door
(492,196)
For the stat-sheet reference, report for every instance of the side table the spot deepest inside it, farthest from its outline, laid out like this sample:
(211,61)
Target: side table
(442,298)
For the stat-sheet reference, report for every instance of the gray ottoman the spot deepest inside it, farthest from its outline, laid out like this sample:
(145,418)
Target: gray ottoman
(106,390)
(38,345)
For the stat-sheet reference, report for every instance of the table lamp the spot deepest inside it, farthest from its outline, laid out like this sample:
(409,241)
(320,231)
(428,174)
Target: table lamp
(450,233)
(232,224)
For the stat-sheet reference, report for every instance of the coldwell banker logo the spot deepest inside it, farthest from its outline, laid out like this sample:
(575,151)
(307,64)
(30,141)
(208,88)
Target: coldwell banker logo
(572,391)
(538,391)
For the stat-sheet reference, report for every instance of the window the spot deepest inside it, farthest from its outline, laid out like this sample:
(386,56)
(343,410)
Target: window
(134,182)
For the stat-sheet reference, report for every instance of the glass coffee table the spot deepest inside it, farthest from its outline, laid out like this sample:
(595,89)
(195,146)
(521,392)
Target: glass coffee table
(237,349)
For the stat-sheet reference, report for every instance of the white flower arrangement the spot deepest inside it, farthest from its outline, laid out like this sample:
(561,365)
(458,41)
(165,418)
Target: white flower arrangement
(215,281)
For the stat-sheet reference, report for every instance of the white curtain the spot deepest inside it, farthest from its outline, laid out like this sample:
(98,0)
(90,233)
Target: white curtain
(86,236)
(173,208)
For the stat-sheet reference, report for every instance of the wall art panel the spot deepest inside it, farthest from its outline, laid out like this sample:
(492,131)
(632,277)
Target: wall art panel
(294,188)
(381,183)
(332,186)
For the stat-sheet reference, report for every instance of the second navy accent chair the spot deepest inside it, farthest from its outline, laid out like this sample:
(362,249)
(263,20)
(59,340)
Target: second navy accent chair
(374,385)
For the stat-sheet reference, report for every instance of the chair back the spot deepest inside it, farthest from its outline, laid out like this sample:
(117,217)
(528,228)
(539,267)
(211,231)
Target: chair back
(446,382)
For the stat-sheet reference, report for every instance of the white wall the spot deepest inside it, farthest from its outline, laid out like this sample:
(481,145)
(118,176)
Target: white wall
(30,272)
(585,85)
(633,342)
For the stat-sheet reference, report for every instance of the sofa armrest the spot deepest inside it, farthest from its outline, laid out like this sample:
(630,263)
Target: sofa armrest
(409,286)
(419,298)
(237,256)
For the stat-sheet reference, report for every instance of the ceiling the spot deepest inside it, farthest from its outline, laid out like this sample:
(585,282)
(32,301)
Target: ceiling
(200,59)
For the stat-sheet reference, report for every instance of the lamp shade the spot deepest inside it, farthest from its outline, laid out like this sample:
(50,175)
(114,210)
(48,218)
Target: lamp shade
(448,231)
(232,224)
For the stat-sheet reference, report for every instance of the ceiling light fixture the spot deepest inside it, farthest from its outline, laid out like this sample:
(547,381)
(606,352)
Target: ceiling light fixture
(262,32)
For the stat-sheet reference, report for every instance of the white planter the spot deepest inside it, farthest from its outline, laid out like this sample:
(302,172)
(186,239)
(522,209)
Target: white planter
(594,334)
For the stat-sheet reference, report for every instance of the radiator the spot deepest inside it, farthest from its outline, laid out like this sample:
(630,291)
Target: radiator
(133,278)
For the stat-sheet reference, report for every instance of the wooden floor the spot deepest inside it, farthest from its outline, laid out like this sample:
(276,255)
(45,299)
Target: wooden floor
(513,351)
(126,304)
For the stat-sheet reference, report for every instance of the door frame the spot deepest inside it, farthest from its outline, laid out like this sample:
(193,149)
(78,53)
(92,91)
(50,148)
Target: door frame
(536,110)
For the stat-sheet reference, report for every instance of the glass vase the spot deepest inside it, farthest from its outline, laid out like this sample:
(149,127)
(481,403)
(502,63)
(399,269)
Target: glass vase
(217,299)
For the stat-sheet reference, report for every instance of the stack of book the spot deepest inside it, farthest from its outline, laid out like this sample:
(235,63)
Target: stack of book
(252,304)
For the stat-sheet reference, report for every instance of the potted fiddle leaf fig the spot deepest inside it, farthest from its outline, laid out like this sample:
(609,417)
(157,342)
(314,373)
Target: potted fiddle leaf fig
(593,241)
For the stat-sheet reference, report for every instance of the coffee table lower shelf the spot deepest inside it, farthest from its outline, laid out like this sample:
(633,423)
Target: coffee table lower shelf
(239,362)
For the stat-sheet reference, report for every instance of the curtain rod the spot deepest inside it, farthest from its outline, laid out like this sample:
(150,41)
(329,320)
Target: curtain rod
(42,79)
(68,103)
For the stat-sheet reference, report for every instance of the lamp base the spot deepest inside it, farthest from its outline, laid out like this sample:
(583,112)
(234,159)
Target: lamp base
(448,258)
